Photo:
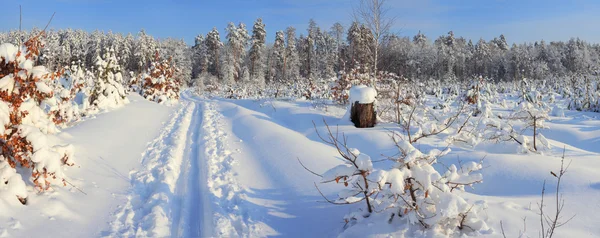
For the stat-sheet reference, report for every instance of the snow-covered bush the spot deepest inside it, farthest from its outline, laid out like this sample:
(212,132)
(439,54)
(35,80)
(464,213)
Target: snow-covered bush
(585,96)
(411,196)
(472,96)
(108,91)
(134,84)
(159,85)
(63,107)
(415,191)
(340,86)
(480,95)
(534,117)
(23,87)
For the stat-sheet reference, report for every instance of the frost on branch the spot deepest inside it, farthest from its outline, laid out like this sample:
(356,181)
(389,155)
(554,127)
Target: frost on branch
(23,88)
(159,85)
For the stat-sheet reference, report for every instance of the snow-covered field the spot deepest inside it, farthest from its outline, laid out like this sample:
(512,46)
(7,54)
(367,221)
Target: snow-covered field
(230,168)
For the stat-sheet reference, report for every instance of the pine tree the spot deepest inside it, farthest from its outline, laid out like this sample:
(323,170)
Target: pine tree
(235,51)
(213,46)
(126,55)
(257,52)
(291,60)
(244,72)
(311,62)
(277,63)
(108,89)
(199,58)
(337,31)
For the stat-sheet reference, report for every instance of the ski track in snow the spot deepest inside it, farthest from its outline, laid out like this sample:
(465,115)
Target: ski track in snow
(224,195)
(186,186)
(151,200)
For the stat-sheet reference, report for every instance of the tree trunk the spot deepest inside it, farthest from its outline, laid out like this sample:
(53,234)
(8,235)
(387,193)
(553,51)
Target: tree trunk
(363,115)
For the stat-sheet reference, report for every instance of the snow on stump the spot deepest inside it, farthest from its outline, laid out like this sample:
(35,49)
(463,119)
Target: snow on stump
(362,108)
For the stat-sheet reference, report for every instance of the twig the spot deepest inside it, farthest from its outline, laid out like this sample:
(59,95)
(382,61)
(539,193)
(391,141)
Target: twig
(308,169)
(52,17)
(66,181)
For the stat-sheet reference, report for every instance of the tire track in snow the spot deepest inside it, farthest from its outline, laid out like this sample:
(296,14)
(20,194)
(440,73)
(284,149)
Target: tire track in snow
(150,203)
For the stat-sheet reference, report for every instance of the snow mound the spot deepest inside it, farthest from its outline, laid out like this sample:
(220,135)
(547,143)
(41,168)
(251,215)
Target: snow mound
(362,94)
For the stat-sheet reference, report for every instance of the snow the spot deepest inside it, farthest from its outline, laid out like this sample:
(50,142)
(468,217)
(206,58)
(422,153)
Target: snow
(362,94)
(7,83)
(107,148)
(229,168)
(8,52)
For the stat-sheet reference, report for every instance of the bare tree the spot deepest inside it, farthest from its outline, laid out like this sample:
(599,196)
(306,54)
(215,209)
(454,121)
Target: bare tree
(549,222)
(374,14)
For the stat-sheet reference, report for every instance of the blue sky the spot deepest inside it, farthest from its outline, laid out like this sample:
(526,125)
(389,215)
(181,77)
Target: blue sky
(518,20)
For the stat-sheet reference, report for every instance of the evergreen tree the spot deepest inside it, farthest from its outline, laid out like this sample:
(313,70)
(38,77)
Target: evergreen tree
(277,62)
(108,91)
(291,60)
(213,46)
(257,52)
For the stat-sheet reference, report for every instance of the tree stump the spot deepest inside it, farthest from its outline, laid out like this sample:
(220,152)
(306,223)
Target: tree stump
(363,115)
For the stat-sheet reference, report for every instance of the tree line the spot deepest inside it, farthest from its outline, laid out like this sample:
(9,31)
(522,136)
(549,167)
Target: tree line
(320,53)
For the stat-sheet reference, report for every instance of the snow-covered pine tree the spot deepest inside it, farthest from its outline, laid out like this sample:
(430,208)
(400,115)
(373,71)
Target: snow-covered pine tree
(292,62)
(234,48)
(178,52)
(311,56)
(325,55)
(108,91)
(144,51)
(126,55)
(244,71)
(199,60)
(256,55)
(337,32)
(360,40)
(277,62)
(213,45)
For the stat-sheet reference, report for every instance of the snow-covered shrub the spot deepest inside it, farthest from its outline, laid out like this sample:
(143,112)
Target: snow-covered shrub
(108,91)
(413,190)
(534,117)
(340,86)
(134,84)
(340,89)
(63,107)
(353,174)
(23,87)
(410,196)
(419,121)
(586,95)
(474,90)
(159,85)
(480,95)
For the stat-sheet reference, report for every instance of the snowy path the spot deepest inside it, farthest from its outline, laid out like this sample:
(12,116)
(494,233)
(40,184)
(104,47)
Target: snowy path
(172,194)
